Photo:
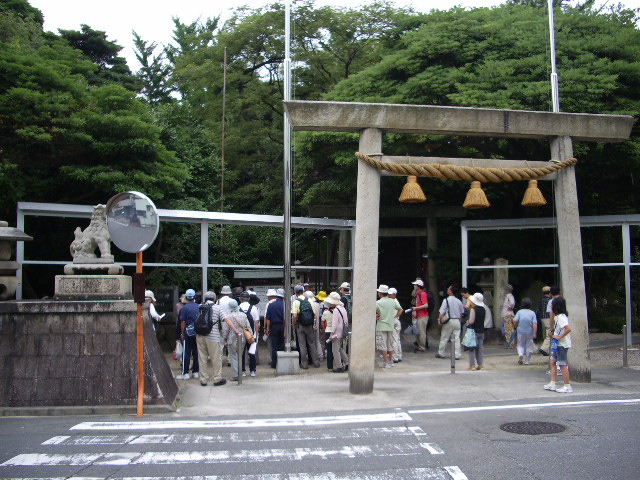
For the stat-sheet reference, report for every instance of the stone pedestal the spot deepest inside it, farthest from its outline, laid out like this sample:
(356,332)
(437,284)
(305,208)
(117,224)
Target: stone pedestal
(66,353)
(288,363)
(93,287)
(97,268)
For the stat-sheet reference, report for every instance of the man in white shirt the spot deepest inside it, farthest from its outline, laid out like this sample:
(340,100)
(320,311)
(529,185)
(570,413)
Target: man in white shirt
(225,296)
(451,326)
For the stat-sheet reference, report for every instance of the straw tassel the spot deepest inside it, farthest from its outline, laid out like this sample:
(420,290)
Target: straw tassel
(476,197)
(533,196)
(412,192)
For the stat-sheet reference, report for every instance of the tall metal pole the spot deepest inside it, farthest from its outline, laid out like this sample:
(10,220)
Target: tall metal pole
(555,92)
(140,338)
(224,120)
(287,181)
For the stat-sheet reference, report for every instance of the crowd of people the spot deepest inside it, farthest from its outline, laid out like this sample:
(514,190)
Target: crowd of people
(321,325)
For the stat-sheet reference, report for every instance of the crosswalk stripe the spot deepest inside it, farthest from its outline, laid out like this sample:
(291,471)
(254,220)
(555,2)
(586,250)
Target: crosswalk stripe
(229,437)
(456,473)
(249,423)
(433,448)
(424,473)
(57,440)
(221,456)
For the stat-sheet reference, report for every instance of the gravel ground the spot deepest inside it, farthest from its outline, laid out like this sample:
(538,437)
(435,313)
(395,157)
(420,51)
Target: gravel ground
(612,356)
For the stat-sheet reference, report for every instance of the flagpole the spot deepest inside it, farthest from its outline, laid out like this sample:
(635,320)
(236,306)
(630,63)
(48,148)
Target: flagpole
(287,180)
(555,92)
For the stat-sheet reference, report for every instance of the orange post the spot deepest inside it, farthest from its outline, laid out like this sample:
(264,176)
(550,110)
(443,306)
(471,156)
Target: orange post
(140,334)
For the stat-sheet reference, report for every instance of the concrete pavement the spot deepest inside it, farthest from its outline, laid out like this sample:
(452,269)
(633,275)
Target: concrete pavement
(421,380)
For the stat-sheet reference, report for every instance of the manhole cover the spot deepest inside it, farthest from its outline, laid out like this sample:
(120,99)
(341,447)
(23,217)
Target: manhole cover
(532,428)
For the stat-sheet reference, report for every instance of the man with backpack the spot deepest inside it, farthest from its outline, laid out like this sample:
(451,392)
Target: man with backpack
(305,321)
(345,298)
(421,311)
(188,315)
(208,326)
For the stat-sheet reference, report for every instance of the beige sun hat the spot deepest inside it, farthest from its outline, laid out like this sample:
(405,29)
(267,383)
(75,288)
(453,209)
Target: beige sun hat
(333,300)
(477,299)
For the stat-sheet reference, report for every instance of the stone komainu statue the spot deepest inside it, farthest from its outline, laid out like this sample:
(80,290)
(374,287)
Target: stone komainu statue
(96,235)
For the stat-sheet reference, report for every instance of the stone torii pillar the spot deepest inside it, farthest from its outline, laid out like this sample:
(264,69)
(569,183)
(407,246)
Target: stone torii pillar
(365,268)
(570,260)
(375,119)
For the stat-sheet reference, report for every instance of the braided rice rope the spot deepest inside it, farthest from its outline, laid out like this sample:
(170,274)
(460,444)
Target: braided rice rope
(456,172)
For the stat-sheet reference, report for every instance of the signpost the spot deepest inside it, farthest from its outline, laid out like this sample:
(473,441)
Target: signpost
(133,223)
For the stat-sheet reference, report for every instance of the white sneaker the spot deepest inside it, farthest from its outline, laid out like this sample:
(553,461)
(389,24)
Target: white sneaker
(185,376)
(388,365)
(244,374)
(565,389)
(196,375)
(550,386)
(253,374)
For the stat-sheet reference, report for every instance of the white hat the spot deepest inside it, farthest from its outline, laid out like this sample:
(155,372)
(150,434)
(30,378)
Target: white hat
(383,289)
(345,285)
(393,291)
(271,292)
(477,299)
(418,282)
(333,299)
(280,292)
(149,294)
(226,290)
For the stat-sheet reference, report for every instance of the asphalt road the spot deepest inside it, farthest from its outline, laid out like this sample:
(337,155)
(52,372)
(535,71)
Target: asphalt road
(599,443)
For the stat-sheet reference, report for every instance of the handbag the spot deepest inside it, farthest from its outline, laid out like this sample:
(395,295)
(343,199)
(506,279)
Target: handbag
(469,339)
(248,334)
(445,316)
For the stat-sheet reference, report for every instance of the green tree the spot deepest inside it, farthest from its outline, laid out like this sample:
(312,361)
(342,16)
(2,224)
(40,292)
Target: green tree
(499,58)
(154,73)
(103,53)
(62,139)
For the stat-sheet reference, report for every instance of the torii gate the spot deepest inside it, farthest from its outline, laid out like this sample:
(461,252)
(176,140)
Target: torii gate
(372,120)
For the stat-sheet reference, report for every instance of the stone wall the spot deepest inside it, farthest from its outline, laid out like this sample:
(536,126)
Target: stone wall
(77,353)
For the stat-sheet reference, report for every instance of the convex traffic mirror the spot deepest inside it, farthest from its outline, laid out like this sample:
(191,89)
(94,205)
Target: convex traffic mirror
(132,220)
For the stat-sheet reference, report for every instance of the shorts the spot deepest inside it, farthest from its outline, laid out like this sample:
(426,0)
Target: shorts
(560,357)
(384,341)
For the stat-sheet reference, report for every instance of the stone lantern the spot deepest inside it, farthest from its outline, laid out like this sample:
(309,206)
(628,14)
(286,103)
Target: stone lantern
(8,268)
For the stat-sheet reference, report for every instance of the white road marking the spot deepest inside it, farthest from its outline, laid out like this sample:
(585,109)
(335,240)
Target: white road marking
(433,448)
(585,403)
(456,473)
(436,473)
(251,423)
(57,440)
(417,431)
(222,456)
(229,437)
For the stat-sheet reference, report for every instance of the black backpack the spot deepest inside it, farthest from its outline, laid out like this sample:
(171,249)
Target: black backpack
(204,320)
(249,316)
(306,315)
(431,298)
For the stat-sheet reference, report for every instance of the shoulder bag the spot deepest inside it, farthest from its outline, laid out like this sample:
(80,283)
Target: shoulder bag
(248,335)
(445,317)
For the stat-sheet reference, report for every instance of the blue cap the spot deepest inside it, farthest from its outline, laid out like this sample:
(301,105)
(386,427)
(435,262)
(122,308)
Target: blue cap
(190,294)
